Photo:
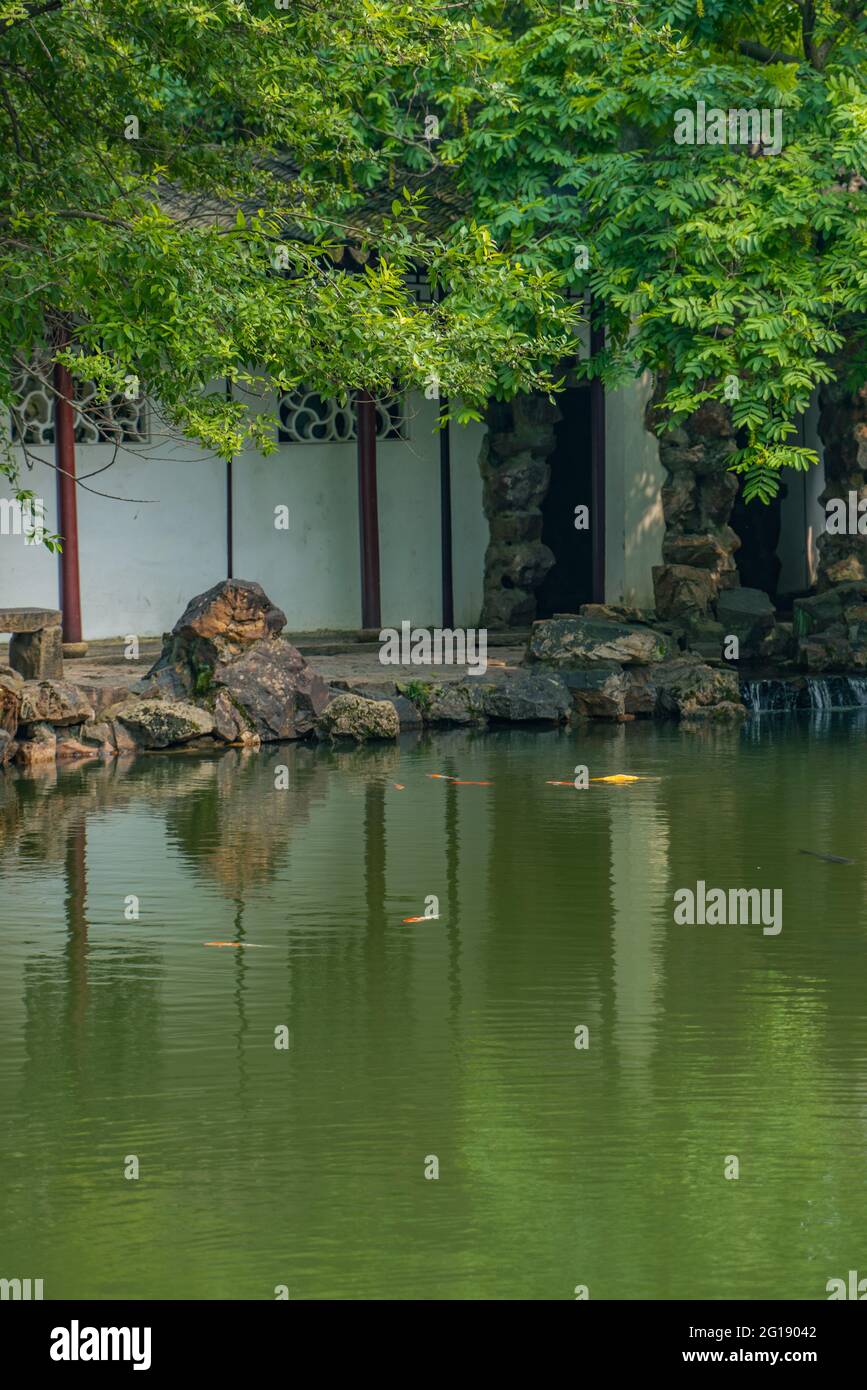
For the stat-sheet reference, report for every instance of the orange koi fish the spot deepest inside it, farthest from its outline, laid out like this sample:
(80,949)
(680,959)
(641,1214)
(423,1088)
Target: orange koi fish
(398,786)
(456,781)
(420,919)
(245,945)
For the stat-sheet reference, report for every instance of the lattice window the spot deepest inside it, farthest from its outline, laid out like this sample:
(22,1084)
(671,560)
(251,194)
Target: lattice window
(114,421)
(308,418)
(419,286)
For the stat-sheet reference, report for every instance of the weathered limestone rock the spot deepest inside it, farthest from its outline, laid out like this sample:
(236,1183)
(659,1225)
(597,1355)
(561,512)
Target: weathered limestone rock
(683,591)
(532,698)
(98,734)
(697,501)
(161,723)
(578,642)
(274,687)
(641,691)
(227,639)
(103,696)
(516,475)
(408,715)
(37,655)
(599,692)
(229,724)
(70,747)
(229,618)
(352,716)
(688,689)
(843,429)
(40,747)
(8,747)
(10,705)
(457,703)
(126,743)
(523,564)
(710,551)
(825,651)
(747,614)
(54,702)
(777,646)
(614,613)
(827,609)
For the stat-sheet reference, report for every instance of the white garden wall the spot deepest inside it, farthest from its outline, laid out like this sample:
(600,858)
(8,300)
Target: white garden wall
(143,557)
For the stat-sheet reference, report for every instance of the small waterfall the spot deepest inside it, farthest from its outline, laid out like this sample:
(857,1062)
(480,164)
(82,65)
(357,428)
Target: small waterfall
(820,693)
(769,696)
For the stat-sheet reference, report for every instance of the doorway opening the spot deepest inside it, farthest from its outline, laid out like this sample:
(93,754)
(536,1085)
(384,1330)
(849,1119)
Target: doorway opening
(570,582)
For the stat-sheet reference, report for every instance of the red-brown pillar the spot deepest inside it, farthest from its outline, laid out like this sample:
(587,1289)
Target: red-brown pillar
(368,511)
(67,509)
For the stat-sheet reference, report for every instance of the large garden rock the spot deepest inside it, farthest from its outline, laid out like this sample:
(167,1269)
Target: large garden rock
(683,590)
(226,639)
(280,694)
(162,723)
(54,702)
(747,614)
(215,627)
(532,698)
(825,651)
(819,612)
(641,692)
(40,747)
(229,618)
(580,642)
(707,550)
(688,689)
(352,716)
(599,692)
(456,703)
(10,709)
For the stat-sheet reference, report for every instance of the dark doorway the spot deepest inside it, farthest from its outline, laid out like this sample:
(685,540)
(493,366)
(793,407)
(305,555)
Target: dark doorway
(758,525)
(570,582)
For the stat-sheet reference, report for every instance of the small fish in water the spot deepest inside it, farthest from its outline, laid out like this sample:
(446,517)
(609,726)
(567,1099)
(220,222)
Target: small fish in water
(399,786)
(456,781)
(831,858)
(421,919)
(618,777)
(246,945)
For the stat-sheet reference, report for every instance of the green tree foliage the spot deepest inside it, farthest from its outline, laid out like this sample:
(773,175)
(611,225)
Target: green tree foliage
(731,272)
(165,164)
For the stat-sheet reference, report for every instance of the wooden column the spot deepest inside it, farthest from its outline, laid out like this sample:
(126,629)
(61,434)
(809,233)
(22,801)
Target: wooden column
(597,464)
(67,503)
(368,512)
(230,505)
(446,521)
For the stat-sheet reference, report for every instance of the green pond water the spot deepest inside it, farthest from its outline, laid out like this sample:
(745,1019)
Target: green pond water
(262,1167)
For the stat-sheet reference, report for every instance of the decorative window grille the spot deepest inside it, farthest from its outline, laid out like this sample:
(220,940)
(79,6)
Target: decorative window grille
(418,284)
(308,418)
(113,421)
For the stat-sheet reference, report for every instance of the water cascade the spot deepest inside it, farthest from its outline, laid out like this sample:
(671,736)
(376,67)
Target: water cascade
(780,696)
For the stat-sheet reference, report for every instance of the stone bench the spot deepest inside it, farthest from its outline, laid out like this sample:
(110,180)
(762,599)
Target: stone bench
(36,648)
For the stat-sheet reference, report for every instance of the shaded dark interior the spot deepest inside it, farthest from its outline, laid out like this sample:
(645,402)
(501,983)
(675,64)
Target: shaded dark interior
(758,525)
(570,582)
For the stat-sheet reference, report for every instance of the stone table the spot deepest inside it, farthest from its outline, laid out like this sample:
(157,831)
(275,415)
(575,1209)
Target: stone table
(36,648)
